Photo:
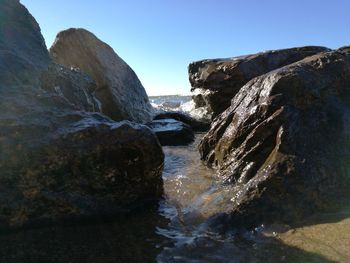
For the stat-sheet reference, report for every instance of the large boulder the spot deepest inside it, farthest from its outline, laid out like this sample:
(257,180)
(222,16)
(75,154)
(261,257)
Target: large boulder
(57,160)
(120,92)
(283,146)
(216,81)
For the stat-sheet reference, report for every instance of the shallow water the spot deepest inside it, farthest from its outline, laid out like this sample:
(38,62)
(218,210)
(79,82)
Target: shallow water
(178,229)
(193,195)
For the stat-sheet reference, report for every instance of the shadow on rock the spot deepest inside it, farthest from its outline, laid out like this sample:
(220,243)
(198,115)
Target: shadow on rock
(129,238)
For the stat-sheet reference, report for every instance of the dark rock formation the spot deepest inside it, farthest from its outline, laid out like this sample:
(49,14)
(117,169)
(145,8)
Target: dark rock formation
(345,49)
(283,145)
(120,92)
(196,125)
(199,100)
(216,81)
(57,162)
(172,132)
(21,32)
(74,86)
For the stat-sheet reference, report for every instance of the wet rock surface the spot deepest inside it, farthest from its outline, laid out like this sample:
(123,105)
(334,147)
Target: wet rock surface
(196,125)
(282,147)
(56,160)
(148,235)
(216,81)
(119,90)
(172,132)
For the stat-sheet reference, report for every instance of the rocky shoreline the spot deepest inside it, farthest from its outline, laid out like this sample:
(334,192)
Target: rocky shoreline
(79,137)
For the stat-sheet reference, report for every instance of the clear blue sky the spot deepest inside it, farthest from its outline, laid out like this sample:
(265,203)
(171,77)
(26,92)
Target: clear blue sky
(159,38)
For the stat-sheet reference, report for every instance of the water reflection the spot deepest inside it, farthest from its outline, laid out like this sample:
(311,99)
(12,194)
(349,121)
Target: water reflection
(192,196)
(129,238)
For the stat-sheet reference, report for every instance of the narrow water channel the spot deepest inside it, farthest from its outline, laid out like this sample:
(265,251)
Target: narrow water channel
(177,230)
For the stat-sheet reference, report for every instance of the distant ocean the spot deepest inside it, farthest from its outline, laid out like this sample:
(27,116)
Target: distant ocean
(177,103)
(170,102)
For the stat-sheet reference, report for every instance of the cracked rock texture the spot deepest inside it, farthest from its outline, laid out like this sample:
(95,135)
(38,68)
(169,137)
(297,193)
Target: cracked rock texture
(283,146)
(216,81)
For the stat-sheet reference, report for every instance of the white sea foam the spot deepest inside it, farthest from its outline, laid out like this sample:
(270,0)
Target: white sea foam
(179,103)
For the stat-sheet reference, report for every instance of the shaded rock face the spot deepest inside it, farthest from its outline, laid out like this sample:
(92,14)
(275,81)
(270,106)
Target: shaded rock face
(199,100)
(216,81)
(283,144)
(120,92)
(22,35)
(196,125)
(76,87)
(57,160)
(94,168)
(171,132)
